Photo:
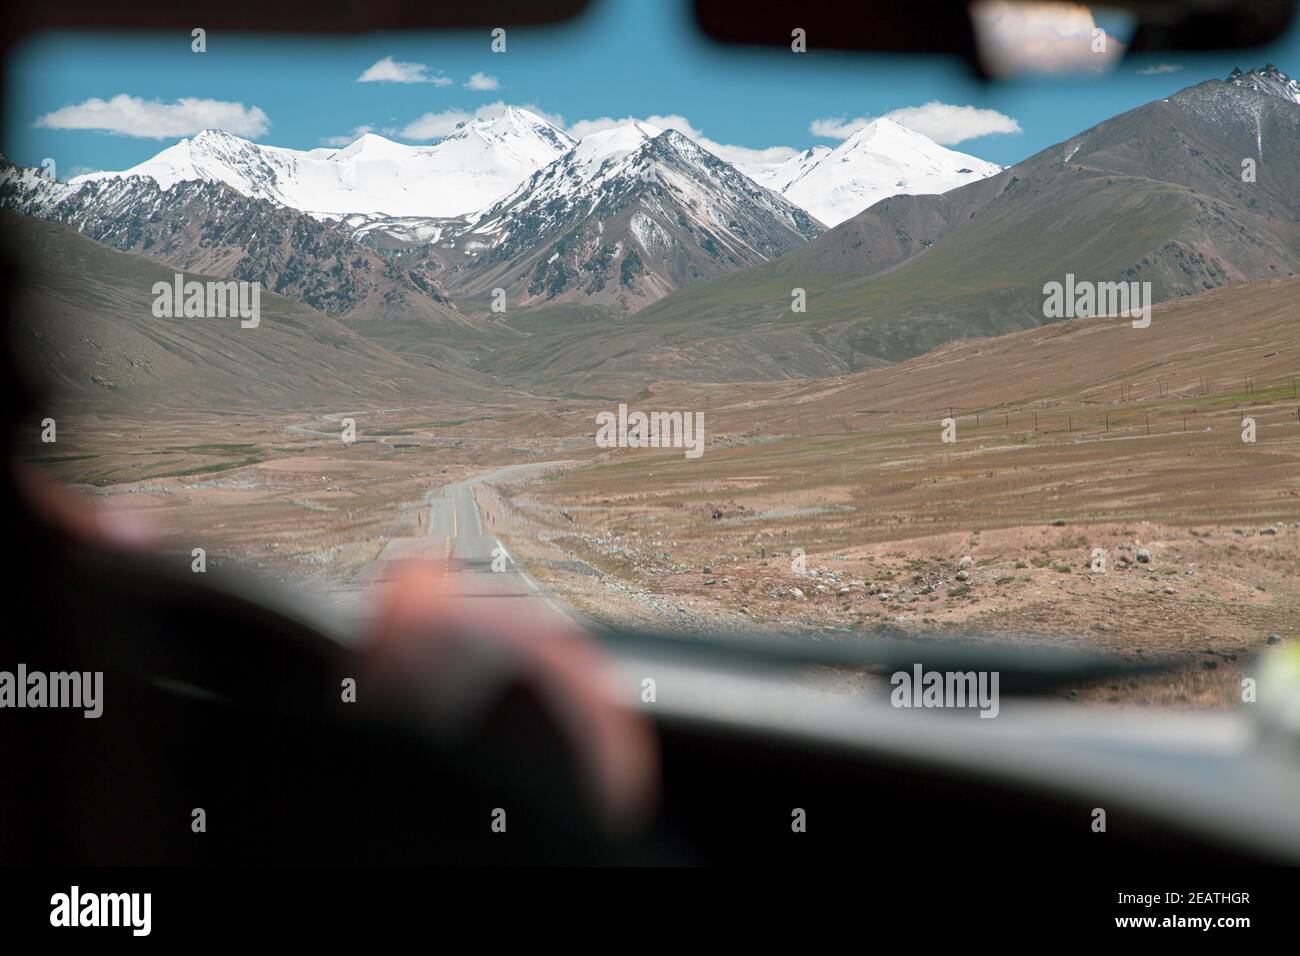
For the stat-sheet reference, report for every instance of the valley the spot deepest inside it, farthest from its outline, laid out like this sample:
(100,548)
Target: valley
(919,447)
(830,507)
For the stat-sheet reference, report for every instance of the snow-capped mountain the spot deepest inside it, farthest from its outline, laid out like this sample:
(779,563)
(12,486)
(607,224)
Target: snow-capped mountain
(622,219)
(882,159)
(475,166)
(1269,80)
(782,176)
(568,182)
(595,152)
(582,162)
(484,161)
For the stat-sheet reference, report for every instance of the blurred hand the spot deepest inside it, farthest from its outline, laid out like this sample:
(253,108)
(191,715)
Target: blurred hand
(458,650)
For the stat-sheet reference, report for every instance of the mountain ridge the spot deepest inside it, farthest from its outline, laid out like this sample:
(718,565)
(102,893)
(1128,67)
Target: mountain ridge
(485,160)
(207,227)
(621,220)
(1154,195)
(474,166)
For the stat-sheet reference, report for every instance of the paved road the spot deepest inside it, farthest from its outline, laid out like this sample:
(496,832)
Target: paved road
(477,563)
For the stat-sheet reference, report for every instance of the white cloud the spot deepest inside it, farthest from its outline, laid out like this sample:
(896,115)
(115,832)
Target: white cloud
(444,123)
(154,119)
(945,123)
(1015,36)
(481,81)
(1160,69)
(347,138)
(837,127)
(389,70)
(434,125)
(748,160)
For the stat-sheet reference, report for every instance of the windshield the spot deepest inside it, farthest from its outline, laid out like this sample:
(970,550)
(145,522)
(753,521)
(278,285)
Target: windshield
(653,334)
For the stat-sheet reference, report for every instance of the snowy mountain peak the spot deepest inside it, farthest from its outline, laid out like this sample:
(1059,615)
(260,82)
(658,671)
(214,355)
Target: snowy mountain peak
(596,149)
(881,159)
(645,129)
(520,132)
(213,135)
(475,166)
(682,143)
(781,177)
(881,131)
(593,157)
(372,144)
(516,118)
(627,215)
(1269,80)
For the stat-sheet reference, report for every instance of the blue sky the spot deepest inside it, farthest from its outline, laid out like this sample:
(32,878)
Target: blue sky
(625,58)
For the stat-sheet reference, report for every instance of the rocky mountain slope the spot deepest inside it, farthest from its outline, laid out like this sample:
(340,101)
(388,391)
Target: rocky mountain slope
(87,329)
(207,227)
(621,220)
(1269,80)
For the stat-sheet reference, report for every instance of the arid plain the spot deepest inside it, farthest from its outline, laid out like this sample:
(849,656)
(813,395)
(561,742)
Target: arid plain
(832,507)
